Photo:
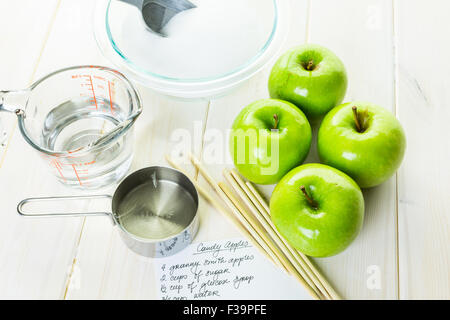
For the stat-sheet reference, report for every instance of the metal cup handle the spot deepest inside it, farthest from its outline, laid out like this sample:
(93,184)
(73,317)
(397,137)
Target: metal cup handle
(61,214)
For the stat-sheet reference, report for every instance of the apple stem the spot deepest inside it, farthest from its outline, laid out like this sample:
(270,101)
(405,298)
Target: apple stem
(310,65)
(308,198)
(275,117)
(355,117)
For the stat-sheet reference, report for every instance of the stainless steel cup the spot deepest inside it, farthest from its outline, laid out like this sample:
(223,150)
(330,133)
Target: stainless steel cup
(155,209)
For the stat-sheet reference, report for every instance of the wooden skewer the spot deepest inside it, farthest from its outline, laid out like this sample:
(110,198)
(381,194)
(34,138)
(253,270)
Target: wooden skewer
(236,209)
(239,186)
(254,229)
(312,269)
(233,203)
(208,197)
(264,218)
(200,189)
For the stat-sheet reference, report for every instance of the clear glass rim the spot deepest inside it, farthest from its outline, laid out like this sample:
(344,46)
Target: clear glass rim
(242,67)
(83,150)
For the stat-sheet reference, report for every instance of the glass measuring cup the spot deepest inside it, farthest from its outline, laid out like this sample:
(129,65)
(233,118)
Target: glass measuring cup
(80,120)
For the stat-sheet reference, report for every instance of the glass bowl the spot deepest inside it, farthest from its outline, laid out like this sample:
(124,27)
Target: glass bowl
(208,50)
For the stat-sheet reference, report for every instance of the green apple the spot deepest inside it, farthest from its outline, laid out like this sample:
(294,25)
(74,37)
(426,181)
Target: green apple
(318,209)
(363,140)
(311,77)
(268,138)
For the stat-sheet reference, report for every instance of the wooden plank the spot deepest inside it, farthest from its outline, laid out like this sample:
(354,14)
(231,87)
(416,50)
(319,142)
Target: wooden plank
(34,254)
(101,266)
(360,33)
(221,114)
(23,35)
(422,30)
(70,43)
(108,270)
(357,41)
(223,110)
(23,29)
(39,254)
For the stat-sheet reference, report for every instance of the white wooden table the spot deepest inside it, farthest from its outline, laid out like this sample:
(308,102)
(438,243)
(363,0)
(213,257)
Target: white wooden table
(397,55)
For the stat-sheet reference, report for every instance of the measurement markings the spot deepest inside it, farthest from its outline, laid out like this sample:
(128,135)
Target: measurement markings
(110,98)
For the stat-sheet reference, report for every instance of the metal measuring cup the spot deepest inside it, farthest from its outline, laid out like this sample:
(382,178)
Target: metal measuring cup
(155,209)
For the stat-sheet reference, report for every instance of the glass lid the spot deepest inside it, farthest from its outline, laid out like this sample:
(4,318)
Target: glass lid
(214,40)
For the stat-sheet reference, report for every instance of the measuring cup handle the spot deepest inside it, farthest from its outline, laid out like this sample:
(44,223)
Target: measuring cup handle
(61,214)
(12,101)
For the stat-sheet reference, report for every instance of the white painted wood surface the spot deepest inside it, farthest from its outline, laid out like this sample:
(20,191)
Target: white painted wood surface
(423,101)
(364,43)
(396,55)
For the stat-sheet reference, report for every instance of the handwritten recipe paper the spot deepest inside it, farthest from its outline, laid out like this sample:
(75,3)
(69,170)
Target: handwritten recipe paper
(225,269)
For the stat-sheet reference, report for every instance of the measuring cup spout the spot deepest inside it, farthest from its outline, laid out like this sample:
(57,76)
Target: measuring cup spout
(13,101)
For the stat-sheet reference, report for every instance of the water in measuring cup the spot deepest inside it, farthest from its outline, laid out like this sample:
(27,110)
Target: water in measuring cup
(79,123)
(156,210)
